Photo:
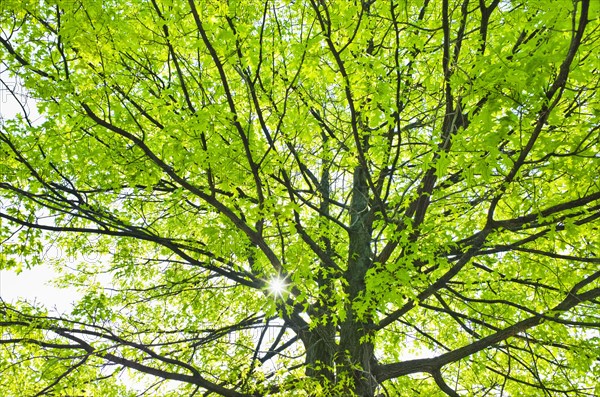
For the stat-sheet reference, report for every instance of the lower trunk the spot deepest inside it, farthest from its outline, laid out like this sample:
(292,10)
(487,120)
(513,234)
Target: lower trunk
(320,351)
(347,366)
(355,358)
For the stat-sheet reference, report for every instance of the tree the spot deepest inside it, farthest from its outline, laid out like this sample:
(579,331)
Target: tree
(319,198)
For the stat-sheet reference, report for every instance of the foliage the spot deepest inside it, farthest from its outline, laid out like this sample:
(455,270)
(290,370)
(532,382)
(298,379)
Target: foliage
(422,176)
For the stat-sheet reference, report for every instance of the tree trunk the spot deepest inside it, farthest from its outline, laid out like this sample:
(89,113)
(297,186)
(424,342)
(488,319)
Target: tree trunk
(320,352)
(355,357)
(320,343)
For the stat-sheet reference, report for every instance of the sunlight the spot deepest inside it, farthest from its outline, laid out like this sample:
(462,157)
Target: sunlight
(277,286)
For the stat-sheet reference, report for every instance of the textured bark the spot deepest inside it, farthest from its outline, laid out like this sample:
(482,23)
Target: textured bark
(320,351)
(355,357)
(320,343)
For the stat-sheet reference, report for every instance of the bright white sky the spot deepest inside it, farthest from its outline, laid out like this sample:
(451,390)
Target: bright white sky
(31,284)
(35,285)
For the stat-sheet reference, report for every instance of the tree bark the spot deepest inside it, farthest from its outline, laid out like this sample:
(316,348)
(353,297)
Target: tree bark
(355,357)
(320,342)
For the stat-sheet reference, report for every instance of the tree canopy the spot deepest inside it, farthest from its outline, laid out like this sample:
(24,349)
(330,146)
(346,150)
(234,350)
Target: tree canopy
(309,198)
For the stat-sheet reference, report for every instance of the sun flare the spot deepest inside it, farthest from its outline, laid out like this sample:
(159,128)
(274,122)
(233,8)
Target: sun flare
(277,286)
